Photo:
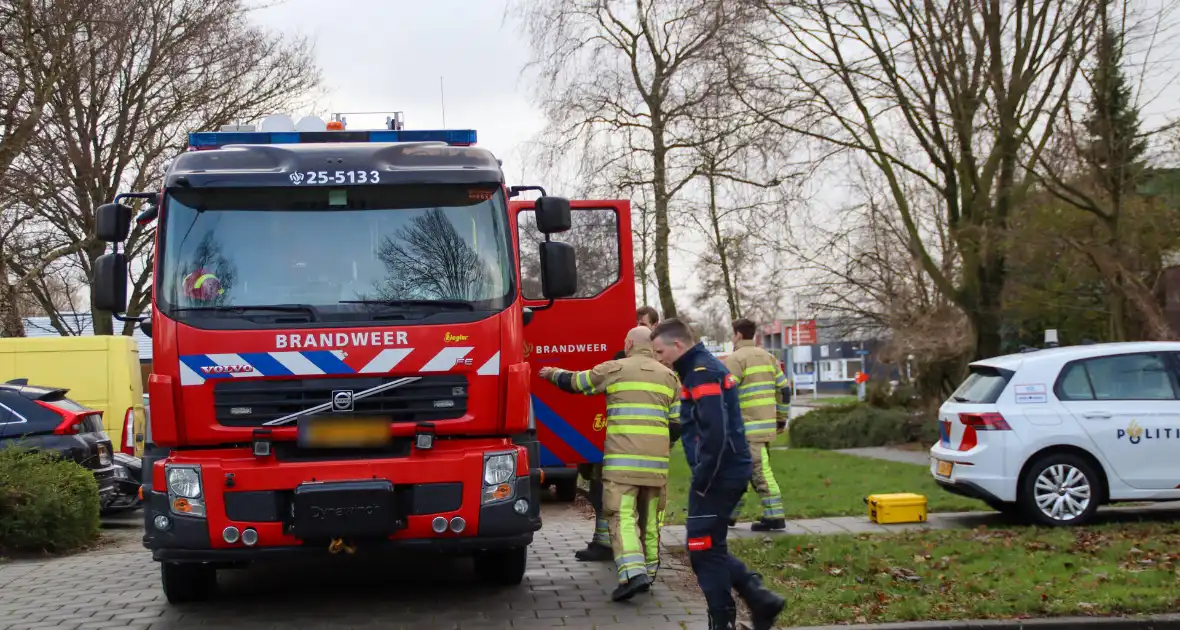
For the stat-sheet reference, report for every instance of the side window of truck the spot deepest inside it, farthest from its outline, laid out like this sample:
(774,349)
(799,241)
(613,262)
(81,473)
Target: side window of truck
(595,237)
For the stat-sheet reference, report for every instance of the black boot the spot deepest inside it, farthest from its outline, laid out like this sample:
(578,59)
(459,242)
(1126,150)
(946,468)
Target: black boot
(769,525)
(764,604)
(594,552)
(723,619)
(631,588)
(732,521)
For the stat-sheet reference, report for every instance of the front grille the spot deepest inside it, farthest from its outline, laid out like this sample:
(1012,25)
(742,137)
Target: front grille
(247,403)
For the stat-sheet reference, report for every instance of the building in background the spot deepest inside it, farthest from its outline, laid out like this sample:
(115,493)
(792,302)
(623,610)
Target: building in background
(81,323)
(825,353)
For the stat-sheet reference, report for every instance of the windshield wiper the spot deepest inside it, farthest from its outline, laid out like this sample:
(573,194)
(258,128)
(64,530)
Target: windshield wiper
(452,304)
(284,308)
(960,399)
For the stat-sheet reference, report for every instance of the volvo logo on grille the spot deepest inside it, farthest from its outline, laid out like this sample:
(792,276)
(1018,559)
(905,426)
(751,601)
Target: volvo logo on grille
(342,400)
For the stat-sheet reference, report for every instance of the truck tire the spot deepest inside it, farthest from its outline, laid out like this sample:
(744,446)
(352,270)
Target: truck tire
(566,489)
(185,583)
(501,567)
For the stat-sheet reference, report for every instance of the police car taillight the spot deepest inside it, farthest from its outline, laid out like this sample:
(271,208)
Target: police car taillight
(990,421)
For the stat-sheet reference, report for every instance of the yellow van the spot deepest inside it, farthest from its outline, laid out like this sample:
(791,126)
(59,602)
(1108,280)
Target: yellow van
(101,372)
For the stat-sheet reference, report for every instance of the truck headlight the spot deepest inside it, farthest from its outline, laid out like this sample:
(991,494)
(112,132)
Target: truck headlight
(499,473)
(498,469)
(184,490)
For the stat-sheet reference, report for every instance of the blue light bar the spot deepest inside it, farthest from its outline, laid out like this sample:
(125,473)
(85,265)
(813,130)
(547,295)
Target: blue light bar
(217,139)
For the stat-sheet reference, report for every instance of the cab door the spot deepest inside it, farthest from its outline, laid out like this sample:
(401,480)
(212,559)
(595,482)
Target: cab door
(579,332)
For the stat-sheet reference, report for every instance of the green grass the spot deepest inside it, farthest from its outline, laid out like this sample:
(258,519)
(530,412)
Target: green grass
(783,439)
(817,483)
(971,574)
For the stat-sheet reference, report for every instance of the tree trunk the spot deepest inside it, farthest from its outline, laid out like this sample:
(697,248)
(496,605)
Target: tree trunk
(11,323)
(722,254)
(660,186)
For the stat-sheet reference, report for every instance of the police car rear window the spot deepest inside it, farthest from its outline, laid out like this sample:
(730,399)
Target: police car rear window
(983,385)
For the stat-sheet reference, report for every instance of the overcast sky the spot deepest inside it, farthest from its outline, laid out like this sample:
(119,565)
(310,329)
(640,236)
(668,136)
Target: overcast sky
(388,55)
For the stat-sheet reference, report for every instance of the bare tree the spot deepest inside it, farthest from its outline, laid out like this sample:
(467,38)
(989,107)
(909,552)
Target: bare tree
(34,39)
(428,259)
(860,274)
(619,80)
(138,81)
(594,237)
(955,97)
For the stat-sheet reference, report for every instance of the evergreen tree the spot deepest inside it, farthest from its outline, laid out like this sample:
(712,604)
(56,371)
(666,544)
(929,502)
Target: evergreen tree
(1115,147)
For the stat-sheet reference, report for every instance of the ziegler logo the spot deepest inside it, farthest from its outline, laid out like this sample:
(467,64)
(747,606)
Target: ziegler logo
(227,369)
(528,349)
(599,422)
(450,337)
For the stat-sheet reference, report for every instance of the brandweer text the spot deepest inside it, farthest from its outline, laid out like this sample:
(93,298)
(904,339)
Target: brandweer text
(335,340)
(579,347)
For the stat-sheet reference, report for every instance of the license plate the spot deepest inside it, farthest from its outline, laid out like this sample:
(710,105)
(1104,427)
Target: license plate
(343,432)
(349,508)
(944,468)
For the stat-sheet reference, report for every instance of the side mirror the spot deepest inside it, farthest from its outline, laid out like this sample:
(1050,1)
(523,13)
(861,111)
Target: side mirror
(146,327)
(112,222)
(110,283)
(559,271)
(553,214)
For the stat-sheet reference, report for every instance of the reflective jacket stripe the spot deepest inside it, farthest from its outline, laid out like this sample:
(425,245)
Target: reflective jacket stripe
(626,429)
(636,386)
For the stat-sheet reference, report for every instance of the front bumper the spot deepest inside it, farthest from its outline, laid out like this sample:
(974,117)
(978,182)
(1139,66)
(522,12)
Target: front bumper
(189,539)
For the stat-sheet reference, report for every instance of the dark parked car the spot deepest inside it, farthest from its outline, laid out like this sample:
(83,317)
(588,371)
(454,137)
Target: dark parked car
(43,419)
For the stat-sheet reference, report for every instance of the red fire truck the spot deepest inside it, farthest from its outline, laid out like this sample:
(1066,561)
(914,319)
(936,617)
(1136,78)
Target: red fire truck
(346,328)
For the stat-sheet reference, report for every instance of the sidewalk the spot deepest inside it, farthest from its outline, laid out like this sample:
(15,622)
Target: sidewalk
(921,458)
(674,535)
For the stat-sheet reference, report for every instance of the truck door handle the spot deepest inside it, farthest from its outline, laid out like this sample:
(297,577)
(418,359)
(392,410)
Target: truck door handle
(1097,415)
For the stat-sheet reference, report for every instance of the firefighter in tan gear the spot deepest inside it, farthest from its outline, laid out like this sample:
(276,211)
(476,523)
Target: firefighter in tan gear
(641,398)
(765,402)
(598,549)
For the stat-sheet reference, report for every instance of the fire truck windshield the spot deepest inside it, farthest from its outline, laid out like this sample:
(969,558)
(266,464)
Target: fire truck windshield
(339,254)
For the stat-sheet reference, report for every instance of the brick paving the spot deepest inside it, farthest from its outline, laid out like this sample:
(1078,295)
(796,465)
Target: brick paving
(118,587)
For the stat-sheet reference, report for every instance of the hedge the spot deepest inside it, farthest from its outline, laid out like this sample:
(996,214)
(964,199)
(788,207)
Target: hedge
(47,504)
(859,425)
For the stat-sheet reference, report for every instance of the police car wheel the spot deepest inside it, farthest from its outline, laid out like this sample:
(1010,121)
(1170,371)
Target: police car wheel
(187,582)
(501,567)
(1060,490)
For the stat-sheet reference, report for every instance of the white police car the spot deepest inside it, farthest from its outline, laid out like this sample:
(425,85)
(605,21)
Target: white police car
(1055,433)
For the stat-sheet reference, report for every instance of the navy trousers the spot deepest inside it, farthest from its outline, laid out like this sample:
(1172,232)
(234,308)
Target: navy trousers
(707,528)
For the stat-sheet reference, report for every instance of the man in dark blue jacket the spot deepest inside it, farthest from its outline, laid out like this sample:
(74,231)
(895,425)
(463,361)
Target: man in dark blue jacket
(714,440)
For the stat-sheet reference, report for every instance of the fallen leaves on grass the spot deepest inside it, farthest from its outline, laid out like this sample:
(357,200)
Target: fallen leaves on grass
(980,573)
